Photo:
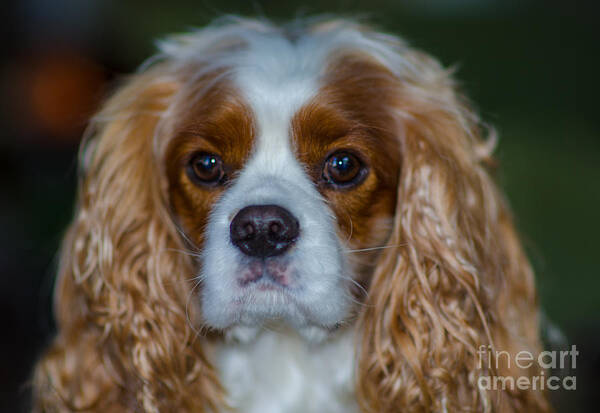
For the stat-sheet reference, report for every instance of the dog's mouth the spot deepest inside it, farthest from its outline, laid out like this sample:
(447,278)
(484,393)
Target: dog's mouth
(267,274)
(270,289)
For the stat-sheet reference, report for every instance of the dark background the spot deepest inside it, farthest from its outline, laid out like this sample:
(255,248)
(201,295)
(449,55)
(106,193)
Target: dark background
(531,68)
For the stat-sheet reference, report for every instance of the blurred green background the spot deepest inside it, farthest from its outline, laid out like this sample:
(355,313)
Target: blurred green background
(531,67)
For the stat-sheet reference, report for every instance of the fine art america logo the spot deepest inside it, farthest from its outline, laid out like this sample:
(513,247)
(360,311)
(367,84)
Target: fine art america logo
(561,362)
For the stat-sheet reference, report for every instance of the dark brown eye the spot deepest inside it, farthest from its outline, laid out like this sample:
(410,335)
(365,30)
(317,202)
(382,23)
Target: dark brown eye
(343,169)
(205,169)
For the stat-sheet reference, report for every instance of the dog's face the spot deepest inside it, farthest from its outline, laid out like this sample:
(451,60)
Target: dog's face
(278,175)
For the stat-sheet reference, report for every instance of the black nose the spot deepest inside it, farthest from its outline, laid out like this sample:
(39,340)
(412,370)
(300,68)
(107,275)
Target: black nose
(264,230)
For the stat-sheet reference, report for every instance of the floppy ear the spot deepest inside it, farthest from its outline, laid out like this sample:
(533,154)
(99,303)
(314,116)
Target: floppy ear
(455,278)
(125,341)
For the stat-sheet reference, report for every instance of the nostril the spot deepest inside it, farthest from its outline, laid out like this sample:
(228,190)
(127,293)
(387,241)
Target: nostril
(249,230)
(264,230)
(275,228)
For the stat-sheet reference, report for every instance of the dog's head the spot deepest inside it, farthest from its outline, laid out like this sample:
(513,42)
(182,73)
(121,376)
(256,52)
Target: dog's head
(317,176)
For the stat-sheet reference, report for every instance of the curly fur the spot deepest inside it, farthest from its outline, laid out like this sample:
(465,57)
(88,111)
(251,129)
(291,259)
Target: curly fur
(457,278)
(126,341)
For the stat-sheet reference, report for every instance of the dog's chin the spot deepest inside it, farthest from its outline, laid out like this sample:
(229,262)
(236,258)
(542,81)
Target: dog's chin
(246,334)
(275,311)
(266,304)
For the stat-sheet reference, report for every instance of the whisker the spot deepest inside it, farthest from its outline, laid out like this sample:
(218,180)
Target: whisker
(360,287)
(377,248)
(358,303)
(351,228)
(184,235)
(197,333)
(190,253)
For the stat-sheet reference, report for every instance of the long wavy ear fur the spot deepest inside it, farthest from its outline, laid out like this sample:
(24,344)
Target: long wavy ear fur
(125,341)
(456,277)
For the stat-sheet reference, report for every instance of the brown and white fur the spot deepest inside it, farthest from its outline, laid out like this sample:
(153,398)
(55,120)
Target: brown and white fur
(382,301)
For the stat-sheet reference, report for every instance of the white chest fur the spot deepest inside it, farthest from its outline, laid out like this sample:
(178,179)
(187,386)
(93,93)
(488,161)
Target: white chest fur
(282,373)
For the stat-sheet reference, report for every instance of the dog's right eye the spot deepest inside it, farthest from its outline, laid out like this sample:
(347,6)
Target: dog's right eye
(205,169)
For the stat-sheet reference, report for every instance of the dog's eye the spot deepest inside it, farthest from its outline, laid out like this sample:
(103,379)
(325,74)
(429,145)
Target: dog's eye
(343,169)
(205,169)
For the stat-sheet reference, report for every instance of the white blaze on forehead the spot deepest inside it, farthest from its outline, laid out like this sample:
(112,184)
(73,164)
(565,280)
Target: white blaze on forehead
(276,78)
(273,111)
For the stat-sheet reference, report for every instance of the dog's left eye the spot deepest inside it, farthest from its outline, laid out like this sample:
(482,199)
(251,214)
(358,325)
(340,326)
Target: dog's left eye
(205,169)
(343,169)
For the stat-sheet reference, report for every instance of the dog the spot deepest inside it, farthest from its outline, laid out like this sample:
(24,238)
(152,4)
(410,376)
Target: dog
(291,218)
